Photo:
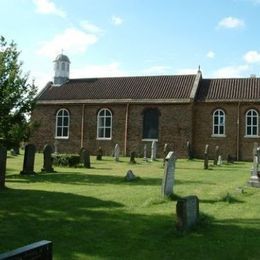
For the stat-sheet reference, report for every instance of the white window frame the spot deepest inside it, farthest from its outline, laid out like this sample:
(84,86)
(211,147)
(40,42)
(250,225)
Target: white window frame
(252,126)
(105,126)
(221,117)
(60,114)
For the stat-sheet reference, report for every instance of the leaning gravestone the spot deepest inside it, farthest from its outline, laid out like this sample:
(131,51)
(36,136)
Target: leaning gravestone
(86,158)
(130,176)
(169,174)
(187,211)
(28,161)
(99,154)
(145,152)
(153,151)
(132,157)
(206,157)
(255,171)
(189,150)
(216,155)
(3,156)
(47,159)
(165,152)
(116,152)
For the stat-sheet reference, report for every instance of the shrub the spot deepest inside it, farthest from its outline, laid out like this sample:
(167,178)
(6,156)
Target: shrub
(70,160)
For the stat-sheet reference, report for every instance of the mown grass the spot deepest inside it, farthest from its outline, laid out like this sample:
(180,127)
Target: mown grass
(94,214)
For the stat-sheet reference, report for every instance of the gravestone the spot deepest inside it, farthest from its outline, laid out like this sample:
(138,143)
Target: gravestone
(130,176)
(116,152)
(153,151)
(165,152)
(3,156)
(28,161)
(206,157)
(219,163)
(169,175)
(189,150)
(216,155)
(132,157)
(187,212)
(47,159)
(145,152)
(255,171)
(56,143)
(85,158)
(99,153)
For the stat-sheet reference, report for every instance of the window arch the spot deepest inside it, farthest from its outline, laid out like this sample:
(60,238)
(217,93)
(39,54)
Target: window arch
(219,122)
(252,122)
(62,123)
(151,123)
(104,124)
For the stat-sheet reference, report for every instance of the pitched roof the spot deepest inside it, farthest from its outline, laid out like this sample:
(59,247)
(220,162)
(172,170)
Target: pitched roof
(138,89)
(230,89)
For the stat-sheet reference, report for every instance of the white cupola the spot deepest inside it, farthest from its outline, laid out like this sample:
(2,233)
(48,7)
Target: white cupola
(61,69)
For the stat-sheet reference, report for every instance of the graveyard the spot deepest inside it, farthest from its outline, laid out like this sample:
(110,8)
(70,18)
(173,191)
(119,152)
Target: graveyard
(95,213)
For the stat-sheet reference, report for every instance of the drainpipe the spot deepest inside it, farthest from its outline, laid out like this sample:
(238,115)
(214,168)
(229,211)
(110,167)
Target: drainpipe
(238,130)
(82,126)
(126,128)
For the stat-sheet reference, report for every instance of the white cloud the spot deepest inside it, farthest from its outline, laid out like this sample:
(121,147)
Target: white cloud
(71,40)
(108,70)
(89,27)
(211,54)
(252,57)
(116,20)
(231,23)
(157,70)
(231,71)
(48,7)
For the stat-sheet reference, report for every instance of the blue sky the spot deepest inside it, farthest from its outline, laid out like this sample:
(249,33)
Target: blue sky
(135,37)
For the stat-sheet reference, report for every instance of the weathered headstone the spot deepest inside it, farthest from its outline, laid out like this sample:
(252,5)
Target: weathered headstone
(132,157)
(99,153)
(219,163)
(145,152)
(165,152)
(130,176)
(216,155)
(169,175)
(255,171)
(47,159)
(189,151)
(28,161)
(56,143)
(3,156)
(116,153)
(86,158)
(187,211)
(206,157)
(153,151)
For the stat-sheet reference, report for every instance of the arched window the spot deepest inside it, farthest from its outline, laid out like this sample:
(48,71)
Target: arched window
(104,124)
(62,123)
(252,123)
(151,123)
(219,122)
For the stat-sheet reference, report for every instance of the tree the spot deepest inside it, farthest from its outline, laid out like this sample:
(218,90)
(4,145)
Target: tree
(17,96)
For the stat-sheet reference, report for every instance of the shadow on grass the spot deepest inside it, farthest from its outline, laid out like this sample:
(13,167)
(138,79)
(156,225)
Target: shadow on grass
(84,227)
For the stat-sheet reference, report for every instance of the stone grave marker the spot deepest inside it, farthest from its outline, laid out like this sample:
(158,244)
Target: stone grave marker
(206,157)
(169,175)
(255,171)
(216,155)
(99,153)
(187,212)
(165,152)
(219,163)
(56,143)
(130,176)
(189,150)
(3,156)
(116,152)
(153,151)
(132,157)
(28,161)
(86,158)
(145,152)
(47,159)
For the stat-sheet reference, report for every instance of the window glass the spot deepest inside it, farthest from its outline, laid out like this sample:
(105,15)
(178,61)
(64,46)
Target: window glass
(104,124)
(62,124)
(151,124)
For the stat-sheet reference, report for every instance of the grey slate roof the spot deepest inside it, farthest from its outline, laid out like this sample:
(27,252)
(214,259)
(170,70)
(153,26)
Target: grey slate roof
(119,88)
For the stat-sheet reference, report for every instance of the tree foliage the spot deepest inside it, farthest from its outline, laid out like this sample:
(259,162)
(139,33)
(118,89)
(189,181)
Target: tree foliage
(17,96)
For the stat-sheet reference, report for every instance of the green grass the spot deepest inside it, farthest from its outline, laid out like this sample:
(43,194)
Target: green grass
(94,214)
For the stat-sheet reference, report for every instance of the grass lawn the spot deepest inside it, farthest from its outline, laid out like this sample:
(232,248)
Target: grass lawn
(94,214)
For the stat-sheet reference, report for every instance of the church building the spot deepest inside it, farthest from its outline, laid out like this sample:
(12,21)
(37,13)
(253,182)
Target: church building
(133,111)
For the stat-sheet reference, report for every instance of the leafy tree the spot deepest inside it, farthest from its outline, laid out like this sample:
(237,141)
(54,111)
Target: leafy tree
(17,96)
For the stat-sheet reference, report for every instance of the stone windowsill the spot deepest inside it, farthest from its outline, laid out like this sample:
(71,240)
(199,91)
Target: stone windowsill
(251,136)
(218,136)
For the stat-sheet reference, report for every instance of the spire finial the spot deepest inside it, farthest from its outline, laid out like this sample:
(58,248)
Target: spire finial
(62,50)
(199,69)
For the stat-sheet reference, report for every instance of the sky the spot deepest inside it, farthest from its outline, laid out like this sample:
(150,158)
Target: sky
(107,38)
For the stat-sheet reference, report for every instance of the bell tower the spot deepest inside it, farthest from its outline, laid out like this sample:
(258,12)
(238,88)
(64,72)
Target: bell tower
(61,69)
